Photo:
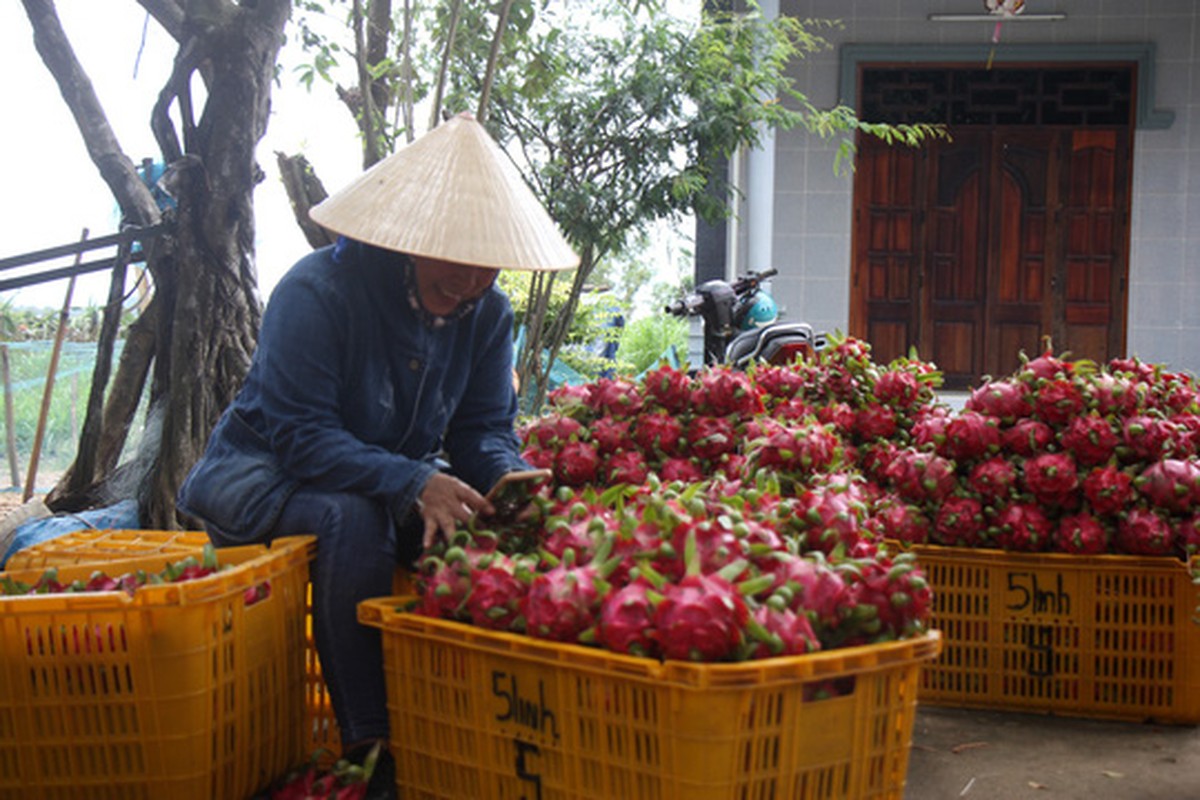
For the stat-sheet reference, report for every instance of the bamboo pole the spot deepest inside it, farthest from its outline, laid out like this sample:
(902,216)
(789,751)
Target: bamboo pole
(10,423)
(47,394)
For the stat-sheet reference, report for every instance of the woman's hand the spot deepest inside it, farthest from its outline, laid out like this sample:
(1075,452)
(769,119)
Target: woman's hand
(444,503)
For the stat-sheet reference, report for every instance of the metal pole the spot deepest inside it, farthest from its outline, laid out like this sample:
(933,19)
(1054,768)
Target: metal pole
(47,395)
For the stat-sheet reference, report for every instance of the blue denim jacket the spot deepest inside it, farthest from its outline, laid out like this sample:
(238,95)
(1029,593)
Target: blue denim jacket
(351,390)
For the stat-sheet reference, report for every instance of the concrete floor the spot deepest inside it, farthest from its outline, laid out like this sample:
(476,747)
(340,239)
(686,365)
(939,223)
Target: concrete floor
(985,755)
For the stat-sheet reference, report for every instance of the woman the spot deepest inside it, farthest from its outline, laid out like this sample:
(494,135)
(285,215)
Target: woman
(381,359)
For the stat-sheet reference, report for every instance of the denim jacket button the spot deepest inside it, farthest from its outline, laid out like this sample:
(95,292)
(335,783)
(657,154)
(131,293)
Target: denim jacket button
(414,364)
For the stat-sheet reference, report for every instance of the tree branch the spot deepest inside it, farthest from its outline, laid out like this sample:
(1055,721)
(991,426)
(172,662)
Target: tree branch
(116,169)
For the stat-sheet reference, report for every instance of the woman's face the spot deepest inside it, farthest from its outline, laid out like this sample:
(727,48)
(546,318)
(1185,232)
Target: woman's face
(444,285)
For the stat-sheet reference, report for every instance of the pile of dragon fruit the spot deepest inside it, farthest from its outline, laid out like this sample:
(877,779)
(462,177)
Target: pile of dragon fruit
(726,515)
(1062,456)
(706,571)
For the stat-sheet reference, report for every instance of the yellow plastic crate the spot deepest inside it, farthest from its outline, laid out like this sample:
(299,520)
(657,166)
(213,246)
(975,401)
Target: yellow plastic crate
(114,547)
(476,714)
(181,690)
(1109,636)
(84,546)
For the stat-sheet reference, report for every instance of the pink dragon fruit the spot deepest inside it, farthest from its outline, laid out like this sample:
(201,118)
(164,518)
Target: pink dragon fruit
(681,469)
(1091,439)
(658,433)
(568,399)
(971,435)
(701,617)
(960,523)
(795,409)
(777,382)
(898,388)
(1022,527)
(993,480)
(710,437)
(553,431)
(919,476)
(626,623)
(829,517)
(444,588)
(539,457)
(1052,478)
(1057,401)
(1044,368)
(577,464)
(721,391)
(840,416)
(616,397)
(810,585)
(1027,437)
(1172,484)
(1108,490)
(497,594)
(562,603)
(875,422)
(1147,438)
(1113,395)
(1144,532)
(627,467)
(929,427)
(890,599)
(1005,400)
(892,518)
(1187,535)
(1080,534)
(781,632)
(670,387)
(610,434)
(807,449)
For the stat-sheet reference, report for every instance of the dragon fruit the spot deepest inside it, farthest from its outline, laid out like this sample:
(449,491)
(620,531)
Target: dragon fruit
(658,433)
(710,437)
(806,449)
(626,622)
(929,427)
(969,436)
(552,431)
(810,585)
(1056,402)
(1006,400)
(627,466)
(701,618)
(1172,484)
(1144,532)
(1108,490)
(1043,368)
(1027,437)
(1146,438)
(680,469)
(1022,527)
(669,387)
(1080,534)
(611,435)
(890,598)
(563,603)
(781,632)
(721,391)
(875,422)
(1052,478)
(919,476)
(898,388)
(829,517)
(796,409)
(993,480)
(497,594)
(776,382)
(960,523)
(1112,395)
(892,518)
(577,463)
(444,587)
(840,416)
(1187,535)
(1091,439)
(615,397)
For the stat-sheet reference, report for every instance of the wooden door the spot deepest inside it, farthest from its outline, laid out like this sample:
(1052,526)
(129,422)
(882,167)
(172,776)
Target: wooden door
(975,249)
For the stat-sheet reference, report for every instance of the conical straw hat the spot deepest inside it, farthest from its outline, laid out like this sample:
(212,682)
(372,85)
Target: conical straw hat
(451,195)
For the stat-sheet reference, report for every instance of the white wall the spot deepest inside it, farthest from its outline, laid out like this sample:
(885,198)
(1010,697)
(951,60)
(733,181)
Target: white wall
(811,242)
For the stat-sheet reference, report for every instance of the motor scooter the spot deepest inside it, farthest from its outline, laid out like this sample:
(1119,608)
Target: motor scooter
(741,323)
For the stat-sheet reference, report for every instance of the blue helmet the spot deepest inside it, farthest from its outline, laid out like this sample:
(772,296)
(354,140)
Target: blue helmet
(762,311)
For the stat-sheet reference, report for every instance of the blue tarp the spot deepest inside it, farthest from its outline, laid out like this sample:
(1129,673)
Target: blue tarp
(122,516)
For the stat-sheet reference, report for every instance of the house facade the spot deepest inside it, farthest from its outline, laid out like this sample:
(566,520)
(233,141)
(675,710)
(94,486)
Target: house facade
(1065,204)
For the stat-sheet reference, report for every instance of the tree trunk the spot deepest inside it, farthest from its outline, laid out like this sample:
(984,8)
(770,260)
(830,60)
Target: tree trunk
(304,190)
(206,305)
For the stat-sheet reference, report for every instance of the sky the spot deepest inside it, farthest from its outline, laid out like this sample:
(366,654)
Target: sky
(54,190)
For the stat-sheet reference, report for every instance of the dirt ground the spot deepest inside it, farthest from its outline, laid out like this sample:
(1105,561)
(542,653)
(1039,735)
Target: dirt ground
(987,755)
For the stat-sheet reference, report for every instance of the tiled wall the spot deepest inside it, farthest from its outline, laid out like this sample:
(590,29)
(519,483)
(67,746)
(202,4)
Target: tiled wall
(811,246)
